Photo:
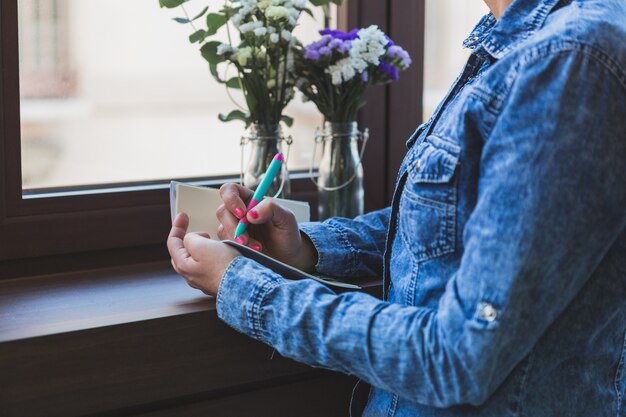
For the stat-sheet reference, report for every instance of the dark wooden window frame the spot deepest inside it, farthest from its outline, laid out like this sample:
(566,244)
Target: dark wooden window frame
(132,339)
(134,219)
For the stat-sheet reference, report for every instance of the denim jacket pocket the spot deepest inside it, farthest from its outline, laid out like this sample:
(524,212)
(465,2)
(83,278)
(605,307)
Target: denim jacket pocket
(427,217)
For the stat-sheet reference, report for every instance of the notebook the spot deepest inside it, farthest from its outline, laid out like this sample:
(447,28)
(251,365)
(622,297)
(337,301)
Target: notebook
(200,204)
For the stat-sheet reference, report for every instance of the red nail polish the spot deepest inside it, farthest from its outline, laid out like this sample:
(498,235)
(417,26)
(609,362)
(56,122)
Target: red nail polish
(240,240)
(254,214)
(256,247)
(239,212)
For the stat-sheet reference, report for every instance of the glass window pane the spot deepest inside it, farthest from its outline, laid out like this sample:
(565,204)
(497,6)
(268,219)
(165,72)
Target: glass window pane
(112,91)
(448,23)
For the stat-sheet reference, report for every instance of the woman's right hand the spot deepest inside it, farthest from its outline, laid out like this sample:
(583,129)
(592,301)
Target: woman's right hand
(272,228)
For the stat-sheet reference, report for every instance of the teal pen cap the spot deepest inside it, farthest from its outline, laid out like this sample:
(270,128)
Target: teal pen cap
(261,190)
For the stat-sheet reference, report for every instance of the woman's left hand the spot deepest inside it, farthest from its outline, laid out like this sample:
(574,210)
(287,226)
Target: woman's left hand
(197,258)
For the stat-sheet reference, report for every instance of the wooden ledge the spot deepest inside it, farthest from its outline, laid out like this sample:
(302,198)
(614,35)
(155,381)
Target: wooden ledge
(135,339)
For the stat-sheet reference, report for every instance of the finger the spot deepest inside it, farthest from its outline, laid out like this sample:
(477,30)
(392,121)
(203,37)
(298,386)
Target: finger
(270,211)
(179,225)
(228,220)
(254,244)
(198,246)
(175,244)
(234,197)
(228,225)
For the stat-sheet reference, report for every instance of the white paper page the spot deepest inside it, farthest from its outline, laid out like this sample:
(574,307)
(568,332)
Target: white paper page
(200,204)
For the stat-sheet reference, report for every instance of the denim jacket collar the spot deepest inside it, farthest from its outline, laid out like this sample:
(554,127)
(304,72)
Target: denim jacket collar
(520,20)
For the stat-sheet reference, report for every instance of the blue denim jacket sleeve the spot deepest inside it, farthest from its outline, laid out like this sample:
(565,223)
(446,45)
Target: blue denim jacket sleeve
(350,248)
(530,243)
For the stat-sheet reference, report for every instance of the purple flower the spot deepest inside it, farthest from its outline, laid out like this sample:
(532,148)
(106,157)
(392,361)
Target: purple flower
(365,76)
(389,69)
(389,41)
(325,50)
(335,43)
(344,47)
(311,53)
(338,34)
(395,51)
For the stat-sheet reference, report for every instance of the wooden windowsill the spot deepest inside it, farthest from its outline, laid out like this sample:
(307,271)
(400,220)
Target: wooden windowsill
(70,302)
(127,339)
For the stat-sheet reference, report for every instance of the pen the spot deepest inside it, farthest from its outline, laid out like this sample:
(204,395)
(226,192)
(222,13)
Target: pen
(271,172)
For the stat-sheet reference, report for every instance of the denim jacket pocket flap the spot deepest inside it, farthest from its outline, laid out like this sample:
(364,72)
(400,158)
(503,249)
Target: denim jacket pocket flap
(427,213)
(434,161)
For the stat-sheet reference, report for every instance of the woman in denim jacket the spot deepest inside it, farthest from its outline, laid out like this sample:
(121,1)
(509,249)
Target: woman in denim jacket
(504,250)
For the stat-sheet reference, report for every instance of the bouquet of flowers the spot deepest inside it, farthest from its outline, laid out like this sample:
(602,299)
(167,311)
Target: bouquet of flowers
(262,54)
(335,71)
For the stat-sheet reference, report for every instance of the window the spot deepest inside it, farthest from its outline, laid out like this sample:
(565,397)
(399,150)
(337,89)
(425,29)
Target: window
(137,103)
(448,23)
(127,219)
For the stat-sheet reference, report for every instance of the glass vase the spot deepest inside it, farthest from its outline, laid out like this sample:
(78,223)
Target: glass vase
(261,143)
(340,174)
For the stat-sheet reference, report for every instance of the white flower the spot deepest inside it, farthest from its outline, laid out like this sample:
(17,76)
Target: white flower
(359,64)
(277,13)
(300,4)
(335,74)
(225,48)
(243,55)
(347,72)
(286,35)
(274,38)
(250,27)
(236,19)
(260,31)
(369,46)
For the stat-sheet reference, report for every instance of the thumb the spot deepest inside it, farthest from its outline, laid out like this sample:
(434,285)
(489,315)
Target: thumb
(196,244)
(268,211)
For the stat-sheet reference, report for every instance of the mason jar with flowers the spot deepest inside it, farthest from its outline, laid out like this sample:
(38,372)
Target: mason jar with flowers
(260,60)
(334,73)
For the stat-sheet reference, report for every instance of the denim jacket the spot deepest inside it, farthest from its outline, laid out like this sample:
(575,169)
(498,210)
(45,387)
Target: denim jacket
(504,250)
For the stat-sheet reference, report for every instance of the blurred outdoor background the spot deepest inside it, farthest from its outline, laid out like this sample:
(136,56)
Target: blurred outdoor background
(113,92)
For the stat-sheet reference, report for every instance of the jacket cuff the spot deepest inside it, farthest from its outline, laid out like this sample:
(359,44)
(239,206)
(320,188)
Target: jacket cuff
(334,250)
(245,284)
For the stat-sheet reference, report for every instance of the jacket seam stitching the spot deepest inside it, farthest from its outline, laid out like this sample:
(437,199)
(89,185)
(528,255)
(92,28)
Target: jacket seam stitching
(259,298)
(537,54)
(618,373)
(523,381)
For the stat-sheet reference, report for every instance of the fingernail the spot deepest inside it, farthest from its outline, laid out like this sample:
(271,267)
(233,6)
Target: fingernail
(254,214)
(256,247)
(239,212)
(240,240)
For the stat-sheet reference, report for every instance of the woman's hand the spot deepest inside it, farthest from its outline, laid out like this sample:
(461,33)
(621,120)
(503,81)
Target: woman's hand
(271,229)
(197,258)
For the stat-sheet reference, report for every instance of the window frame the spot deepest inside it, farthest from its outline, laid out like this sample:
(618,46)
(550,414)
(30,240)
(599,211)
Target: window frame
(126,216)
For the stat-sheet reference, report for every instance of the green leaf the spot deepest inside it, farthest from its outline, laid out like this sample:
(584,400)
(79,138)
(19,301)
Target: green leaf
(235,115)
(182,20)
(251,101)
(213,69)
(170,4)
(287,120)
(209,52)
(199,15)
(233,83)
(197,36)
(214,21)
(309,12)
